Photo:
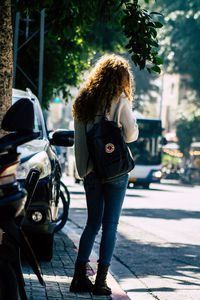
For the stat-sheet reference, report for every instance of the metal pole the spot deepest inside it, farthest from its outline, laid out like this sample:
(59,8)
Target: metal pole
(15,46)
(41,55)
(161,96)
(27,26)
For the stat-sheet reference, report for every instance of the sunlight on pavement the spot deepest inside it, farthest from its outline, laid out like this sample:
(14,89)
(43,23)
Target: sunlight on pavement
(49,278)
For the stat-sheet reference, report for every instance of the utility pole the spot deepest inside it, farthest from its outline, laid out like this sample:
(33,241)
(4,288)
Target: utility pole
(161,96)
(17,48)
(41,55)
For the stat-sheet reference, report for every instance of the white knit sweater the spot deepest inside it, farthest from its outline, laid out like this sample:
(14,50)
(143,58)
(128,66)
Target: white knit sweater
(121,113)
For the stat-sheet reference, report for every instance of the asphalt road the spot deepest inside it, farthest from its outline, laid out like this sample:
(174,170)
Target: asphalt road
(157,255)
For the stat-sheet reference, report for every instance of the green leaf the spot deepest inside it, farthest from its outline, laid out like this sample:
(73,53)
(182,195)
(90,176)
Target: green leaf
(156,13)
(146,13)
(158,24)
(152,24)
(159,61)
(153,43)
(136,59)
(153,32)
(156,69)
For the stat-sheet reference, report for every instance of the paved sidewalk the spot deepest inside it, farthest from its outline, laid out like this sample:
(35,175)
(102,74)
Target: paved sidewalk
(58,273)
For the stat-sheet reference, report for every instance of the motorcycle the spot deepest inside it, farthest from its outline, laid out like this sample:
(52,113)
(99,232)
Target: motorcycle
(14,201)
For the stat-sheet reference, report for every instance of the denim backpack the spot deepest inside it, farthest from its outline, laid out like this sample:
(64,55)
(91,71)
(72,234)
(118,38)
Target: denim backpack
(108,151)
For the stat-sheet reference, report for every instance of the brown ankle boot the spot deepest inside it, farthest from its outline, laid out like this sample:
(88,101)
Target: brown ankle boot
(100,287)
(80,282)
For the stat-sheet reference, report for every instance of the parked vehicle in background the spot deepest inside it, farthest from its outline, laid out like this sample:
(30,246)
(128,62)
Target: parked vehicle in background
(171,171)
(147,152)
(40,222)
(195,155)
(172,167)
(191,176)
(191,173)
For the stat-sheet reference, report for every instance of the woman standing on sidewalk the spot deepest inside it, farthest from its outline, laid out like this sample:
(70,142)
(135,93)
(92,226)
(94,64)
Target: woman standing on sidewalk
(110,86)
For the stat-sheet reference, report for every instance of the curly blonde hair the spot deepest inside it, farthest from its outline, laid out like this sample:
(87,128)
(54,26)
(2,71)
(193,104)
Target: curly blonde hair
(108,79)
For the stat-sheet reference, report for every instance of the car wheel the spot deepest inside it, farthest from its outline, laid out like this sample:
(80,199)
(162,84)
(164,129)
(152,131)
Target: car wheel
(64,202)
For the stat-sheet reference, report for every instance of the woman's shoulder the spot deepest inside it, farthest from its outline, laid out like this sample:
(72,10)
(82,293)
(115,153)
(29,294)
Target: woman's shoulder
(119,103)
(118,106)
(123,99)
(123,102)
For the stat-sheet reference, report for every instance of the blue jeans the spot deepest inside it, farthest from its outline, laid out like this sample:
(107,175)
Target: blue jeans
(104,203)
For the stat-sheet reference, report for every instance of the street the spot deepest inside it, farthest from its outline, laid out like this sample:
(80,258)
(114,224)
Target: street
(158,243)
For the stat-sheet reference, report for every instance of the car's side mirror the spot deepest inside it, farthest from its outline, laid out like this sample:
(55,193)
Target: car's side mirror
(62,137)
(19,117)
(19,120)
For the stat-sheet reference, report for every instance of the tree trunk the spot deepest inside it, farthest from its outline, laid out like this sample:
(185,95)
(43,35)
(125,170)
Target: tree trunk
(6,58)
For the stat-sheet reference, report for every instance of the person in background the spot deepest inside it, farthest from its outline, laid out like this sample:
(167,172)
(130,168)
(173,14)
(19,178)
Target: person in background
(109,86)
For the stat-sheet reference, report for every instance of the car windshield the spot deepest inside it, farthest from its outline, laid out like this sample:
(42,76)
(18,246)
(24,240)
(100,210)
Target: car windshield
(37,121)
(147,149)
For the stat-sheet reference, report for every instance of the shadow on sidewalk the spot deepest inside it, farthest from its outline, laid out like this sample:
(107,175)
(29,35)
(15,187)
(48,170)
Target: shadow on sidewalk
(57,274)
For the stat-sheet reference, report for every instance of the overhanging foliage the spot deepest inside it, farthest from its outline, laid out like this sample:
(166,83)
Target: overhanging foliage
(76,29)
